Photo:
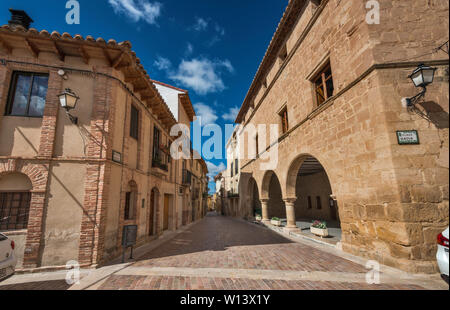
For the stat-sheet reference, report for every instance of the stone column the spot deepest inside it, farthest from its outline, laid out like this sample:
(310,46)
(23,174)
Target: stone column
(265,210)
(290,213)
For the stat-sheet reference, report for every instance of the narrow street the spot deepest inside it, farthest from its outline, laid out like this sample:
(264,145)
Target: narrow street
(228,254)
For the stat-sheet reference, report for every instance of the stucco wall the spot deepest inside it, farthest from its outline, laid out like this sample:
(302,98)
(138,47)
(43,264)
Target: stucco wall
(19,136)
(63,215)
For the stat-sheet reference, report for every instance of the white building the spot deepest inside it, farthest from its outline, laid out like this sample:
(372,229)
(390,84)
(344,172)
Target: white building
(232,175)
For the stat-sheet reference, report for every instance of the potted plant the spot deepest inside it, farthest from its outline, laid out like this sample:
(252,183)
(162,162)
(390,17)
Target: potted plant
(258,217)
(275,221)
(319,228)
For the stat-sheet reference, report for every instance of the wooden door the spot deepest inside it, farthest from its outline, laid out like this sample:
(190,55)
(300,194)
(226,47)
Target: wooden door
(166,212)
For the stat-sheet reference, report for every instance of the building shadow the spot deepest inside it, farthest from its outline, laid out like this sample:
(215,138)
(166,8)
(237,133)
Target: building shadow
(434,113)
(215,233)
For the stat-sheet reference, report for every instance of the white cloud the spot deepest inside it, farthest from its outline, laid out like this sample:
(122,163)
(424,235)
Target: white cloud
(213,170)
(219,29)
(207,114)
(137,9)
(227,64)
(162,63)
(189,49)
(231,114)
(202,74)
(201,24)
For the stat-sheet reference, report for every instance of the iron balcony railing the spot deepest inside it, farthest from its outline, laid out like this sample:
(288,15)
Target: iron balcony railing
(160,160)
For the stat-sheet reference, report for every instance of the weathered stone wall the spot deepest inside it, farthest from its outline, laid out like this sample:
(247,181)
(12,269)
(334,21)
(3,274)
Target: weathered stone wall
(393,200)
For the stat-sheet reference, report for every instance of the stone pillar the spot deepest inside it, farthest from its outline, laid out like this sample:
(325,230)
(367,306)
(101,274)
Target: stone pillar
(265,210)
(290,213)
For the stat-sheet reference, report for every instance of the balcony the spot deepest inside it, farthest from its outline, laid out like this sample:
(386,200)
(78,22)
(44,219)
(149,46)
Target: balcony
(160,161)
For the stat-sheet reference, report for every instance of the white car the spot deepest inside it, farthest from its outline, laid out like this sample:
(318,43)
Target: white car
(8,260)
(442,254)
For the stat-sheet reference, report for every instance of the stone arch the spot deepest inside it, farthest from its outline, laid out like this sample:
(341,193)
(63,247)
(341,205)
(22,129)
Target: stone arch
(272,194)
(254,202)
(265,184)
(309,189)
(294,167)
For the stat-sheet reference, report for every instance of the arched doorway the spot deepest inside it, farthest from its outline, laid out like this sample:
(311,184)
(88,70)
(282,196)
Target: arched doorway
(154,199)
(272,193)
(309,183)
(255,203)
(131,195)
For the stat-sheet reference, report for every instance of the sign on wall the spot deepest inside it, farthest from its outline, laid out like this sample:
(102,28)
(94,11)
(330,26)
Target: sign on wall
(117,157)
(408,137)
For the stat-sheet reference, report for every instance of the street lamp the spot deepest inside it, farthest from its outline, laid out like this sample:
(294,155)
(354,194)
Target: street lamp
(422,76)
(68,100)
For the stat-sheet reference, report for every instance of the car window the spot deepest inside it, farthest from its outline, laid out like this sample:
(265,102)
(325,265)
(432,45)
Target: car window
(3,237)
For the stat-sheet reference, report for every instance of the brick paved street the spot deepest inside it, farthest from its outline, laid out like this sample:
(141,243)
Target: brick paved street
(230,254)
(225,253)
(56,285)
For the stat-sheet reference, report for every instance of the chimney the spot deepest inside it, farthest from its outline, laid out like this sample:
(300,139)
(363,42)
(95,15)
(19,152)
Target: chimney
(20,18)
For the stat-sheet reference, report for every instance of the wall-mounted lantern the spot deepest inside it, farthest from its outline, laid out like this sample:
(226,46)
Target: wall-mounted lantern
(68,101)
(422,76)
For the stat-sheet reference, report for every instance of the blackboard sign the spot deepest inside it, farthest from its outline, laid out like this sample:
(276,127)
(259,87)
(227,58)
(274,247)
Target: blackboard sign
(129,236)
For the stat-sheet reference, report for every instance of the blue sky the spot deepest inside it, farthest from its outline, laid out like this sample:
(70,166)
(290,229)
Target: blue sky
(210,48)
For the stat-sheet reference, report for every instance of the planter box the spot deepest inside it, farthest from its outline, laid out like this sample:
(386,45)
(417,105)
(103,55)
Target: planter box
(319,232)
(258,218)
(275,223)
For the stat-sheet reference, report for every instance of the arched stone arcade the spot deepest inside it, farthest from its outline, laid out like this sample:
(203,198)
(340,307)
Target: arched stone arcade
(309,188)
(272,197)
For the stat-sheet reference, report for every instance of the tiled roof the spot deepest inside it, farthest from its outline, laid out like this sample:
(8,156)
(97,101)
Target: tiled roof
(119,55)
(169,86)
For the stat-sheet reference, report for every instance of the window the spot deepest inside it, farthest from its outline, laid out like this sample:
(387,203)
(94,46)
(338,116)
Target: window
(156,140)
(134,123)
(309,202)
(323,84)
(257,146)
(236,166)
(27,94)
(14,209)
(284,120)
(232,169)
(319,203)
(129,205)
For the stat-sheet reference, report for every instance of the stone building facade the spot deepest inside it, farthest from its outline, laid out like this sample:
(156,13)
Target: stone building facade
(67,190)
(334,84)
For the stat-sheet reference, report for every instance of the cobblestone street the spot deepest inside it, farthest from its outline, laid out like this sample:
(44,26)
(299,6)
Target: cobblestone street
(229,254)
